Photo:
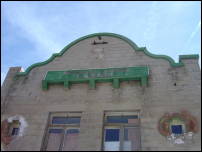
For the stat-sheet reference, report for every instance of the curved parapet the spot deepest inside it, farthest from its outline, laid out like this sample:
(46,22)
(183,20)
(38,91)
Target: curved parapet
(131,43)
(172,62)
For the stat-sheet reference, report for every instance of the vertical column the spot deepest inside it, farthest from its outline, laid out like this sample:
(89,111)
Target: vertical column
(44,85)
(143,81)
(116,83)
(66,84)
(92,84)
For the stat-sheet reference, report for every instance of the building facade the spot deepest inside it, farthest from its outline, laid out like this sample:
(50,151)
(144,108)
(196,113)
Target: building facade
(103,92)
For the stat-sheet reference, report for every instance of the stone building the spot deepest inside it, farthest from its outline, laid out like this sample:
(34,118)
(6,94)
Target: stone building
(103,92)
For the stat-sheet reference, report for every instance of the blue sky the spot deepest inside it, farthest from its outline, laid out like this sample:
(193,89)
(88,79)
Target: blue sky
(33,31)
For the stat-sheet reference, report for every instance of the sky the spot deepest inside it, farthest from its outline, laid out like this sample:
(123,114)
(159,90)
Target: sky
(32,31)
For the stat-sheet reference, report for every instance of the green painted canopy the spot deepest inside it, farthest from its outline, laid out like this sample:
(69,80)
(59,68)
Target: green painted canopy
(91,76)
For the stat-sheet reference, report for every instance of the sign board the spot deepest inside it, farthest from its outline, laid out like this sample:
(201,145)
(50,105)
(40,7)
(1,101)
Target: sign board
(91,76)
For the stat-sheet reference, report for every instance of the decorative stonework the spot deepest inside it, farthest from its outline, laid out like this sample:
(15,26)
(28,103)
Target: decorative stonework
(178,127)
(11,129)
(99,53)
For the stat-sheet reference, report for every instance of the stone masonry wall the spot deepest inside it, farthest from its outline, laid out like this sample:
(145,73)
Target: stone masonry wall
(27,98)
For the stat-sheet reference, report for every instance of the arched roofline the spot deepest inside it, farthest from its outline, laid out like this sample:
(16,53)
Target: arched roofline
(131,43)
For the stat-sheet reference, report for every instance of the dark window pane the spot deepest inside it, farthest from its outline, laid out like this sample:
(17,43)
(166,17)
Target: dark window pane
(15,131)
(176,129)
(56,131)
(112,135)
(66,120)
(121,119)
(72,131)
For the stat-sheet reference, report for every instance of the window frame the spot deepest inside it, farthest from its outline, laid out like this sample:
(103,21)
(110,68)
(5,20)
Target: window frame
(14,132)
(183,129)
(14,124)
(179,122)
(120,126)
(64,127)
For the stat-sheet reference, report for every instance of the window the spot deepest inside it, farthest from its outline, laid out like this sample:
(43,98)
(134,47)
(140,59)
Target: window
(63,132)
(177,126)
(121,131)
(15,131)
(176,129)
(14,128)
(66,120)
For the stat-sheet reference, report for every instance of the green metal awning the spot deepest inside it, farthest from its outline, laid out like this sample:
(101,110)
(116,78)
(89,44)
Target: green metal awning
(91,76)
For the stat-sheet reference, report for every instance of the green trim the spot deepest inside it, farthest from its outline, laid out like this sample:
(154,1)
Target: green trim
(116,83)
(92,84)
(131,43)
(165,57)
(191,56)
(91,76)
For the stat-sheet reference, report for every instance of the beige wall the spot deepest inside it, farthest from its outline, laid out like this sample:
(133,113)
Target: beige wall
(26,97)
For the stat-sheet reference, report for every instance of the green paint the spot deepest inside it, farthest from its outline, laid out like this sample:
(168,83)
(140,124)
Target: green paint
(144,81)
(66,84)
(92,84)
(169,59)
(191,56)
(91,76)
(131,43)
(176,121)
(116,83)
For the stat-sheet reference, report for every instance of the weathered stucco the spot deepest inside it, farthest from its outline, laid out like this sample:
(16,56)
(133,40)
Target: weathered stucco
(24,95)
